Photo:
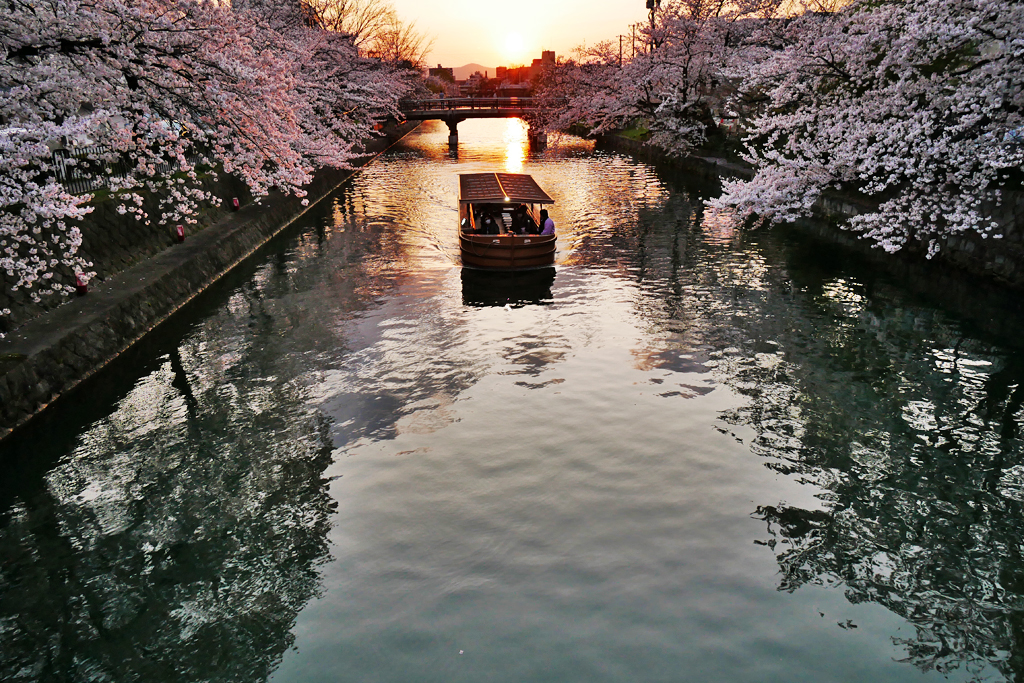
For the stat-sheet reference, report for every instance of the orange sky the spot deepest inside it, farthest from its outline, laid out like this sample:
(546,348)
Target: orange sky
(484,32)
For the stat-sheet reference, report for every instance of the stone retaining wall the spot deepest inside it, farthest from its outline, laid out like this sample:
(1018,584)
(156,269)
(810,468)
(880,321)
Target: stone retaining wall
(48,356)
(997,261)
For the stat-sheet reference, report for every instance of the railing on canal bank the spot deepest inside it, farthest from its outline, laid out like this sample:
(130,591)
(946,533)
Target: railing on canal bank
(84,169)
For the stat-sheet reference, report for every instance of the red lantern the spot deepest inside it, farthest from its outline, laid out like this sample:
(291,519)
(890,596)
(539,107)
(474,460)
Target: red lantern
(81,285)
(179,231)
(234,204)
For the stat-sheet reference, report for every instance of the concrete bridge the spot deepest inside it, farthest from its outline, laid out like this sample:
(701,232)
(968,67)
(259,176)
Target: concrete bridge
(453,110)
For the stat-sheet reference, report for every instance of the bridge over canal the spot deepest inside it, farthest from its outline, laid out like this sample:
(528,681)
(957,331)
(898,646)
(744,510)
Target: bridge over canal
(454,110)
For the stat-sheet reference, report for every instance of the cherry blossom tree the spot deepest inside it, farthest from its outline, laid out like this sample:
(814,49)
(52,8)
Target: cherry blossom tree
(254,89)
(338,92)
(917,106)
(673,87)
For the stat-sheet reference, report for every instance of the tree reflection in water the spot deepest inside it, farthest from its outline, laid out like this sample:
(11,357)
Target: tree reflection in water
(165,546)
(911,429)
(908,424)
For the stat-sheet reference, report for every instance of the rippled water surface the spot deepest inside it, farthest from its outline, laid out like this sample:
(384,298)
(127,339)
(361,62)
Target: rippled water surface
(686,453)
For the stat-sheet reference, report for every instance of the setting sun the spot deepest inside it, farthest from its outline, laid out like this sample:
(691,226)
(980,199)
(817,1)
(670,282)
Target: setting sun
(514,46)
(473,32)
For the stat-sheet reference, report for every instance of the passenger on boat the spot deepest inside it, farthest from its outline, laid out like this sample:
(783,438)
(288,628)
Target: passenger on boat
(490,226)
(513,226)
(522,223)
(549,225)
(518,227)
(478,221)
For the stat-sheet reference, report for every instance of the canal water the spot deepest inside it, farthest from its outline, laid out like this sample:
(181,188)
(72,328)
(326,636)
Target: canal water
(688,452)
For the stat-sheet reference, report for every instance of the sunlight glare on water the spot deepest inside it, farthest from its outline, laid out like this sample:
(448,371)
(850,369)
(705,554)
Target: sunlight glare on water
(688,452)
(516,145)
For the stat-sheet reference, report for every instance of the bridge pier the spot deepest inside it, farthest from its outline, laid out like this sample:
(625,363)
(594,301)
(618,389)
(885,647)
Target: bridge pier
(453,132)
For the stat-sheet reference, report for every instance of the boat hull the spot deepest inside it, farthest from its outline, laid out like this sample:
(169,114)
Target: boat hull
(507,252)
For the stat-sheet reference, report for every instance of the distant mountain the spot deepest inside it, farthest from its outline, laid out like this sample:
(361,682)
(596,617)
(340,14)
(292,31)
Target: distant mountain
(464,72)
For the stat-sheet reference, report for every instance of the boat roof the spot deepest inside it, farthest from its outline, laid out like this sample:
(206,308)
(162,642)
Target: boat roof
(501,187)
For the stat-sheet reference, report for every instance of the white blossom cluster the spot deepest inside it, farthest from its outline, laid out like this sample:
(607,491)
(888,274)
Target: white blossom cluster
(916,106)
(252,88)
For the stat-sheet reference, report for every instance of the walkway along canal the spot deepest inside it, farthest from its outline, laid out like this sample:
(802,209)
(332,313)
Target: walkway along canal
(686,451)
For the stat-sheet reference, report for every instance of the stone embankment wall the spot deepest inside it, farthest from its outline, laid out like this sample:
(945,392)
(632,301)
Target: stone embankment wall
(993,261)
(46,357)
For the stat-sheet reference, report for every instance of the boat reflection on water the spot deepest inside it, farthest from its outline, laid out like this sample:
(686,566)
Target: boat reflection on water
(497,288)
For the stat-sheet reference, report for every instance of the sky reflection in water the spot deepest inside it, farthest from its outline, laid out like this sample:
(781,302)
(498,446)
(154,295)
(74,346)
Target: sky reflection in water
(688,453)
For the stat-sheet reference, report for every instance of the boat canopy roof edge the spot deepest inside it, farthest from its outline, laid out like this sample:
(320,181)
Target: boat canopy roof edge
(501,187)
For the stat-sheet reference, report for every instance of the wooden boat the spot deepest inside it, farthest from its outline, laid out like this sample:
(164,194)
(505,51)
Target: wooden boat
(502,196)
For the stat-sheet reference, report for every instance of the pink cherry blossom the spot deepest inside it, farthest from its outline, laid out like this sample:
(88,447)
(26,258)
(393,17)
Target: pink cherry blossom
(253,89)
(915,106)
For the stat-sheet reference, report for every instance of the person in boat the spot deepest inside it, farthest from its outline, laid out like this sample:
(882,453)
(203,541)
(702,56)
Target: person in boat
(523,223)
(489,226)
(547,223)
(516,227)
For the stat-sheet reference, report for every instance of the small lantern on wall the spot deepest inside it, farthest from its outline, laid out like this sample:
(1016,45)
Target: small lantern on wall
(81,284)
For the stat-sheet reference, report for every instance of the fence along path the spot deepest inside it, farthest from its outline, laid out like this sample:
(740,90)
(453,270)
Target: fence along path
(88,169)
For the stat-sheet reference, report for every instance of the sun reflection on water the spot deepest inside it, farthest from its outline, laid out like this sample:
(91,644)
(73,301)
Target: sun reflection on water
(516,144)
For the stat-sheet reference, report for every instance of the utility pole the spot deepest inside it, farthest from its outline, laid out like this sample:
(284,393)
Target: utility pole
(620,50)
(633,51)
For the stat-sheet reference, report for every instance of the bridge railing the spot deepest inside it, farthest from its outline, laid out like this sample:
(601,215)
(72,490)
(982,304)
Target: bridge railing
(450,103)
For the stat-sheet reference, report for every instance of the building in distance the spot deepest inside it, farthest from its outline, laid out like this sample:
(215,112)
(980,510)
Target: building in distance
(445,73)
(518,81)
(508,81)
